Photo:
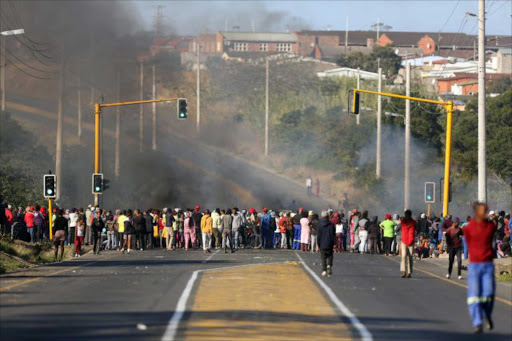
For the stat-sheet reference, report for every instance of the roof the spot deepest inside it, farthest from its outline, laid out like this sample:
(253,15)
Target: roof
(283,37)
(467,82)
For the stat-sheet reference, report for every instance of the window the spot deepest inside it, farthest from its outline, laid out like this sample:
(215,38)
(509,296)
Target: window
(263,47)
(284,47)
(240,46)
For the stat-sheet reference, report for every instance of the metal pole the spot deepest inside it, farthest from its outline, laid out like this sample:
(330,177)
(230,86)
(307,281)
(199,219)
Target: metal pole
(141,114)
(198,89)
(379,127)
(97,111)
(2,67)
(154,109)
(50,217)
(118,125)
(482,171)
(358,78)
(448,148)
(266,108)
(58,151)
(407,135)
(79,104)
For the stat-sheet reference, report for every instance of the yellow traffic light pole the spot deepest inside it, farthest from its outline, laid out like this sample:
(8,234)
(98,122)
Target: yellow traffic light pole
(447,155)
(97,112)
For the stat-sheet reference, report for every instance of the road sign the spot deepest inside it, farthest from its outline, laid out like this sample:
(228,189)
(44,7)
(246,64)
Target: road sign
(430,192)
(49,186)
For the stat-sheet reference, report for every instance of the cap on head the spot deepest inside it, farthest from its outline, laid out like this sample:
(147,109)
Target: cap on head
(252,210)
(165,209)
(354,210)
(423,215)
(325,214)
(388,216)
(310,213)
(265,210)
(197,208)
(492,213)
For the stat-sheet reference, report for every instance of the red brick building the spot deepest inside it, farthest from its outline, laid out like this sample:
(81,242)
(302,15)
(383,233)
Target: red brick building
(256,42)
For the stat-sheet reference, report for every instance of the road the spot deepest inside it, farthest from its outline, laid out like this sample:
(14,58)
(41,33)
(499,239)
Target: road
(249,295)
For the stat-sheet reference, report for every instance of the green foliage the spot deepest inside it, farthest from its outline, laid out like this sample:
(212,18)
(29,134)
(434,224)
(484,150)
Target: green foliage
(22,163)
(499,86)
(499,137)
(389,61)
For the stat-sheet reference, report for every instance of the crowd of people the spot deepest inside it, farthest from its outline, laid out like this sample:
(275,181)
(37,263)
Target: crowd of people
(481,238)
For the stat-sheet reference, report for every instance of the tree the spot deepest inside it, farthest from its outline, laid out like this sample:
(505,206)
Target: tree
(389,61)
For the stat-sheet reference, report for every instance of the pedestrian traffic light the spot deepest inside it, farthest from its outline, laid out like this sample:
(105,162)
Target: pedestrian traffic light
(353,102)
(182,109)
(49,186)
(97,183)
(430,192)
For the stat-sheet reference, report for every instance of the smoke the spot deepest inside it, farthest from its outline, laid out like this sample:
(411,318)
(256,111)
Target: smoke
(425,166)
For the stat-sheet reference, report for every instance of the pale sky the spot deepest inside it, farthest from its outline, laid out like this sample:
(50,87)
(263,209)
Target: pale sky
(191,17)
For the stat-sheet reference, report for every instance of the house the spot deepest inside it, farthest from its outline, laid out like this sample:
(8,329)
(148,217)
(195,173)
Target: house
(169,45)
(348,72)
(468,88)
(271,42)
(463,83)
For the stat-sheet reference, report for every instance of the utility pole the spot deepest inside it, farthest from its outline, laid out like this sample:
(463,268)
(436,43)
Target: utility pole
(79,104)
(379,126)
(141,114)
(266,108)
(154,108)
(407,135)
(198,90)
(482,171)
(91,60)
(58,150)
(358,78)
(346,37)
(378,30)
(118,125)
(2,66)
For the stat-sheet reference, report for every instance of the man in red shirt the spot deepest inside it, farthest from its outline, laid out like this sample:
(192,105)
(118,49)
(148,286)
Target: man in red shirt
(407,244)
(29,223)
(479,234)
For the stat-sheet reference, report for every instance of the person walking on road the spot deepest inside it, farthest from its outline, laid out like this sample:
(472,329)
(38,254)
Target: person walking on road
(169,220)
(79,236)
(364,225)
(88,222)
(373,236)
(265,229)
(326,239)
(296,230)
(237,226)
(454,244)
(479,234)
(407,244)
(129,231)
(29,223)
(196,216)
(206,230)
(97,226)
(216,224)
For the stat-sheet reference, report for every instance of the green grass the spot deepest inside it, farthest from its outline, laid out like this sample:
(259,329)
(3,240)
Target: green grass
(505,277)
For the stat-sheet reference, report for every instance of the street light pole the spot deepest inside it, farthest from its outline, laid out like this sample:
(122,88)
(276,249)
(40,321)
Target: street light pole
(407,135)
(266,108)
(198,90)
(379,127)
(482,171)
(358,85)
(2,58)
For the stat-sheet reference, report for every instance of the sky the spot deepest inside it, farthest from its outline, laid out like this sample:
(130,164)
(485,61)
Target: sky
(192,17)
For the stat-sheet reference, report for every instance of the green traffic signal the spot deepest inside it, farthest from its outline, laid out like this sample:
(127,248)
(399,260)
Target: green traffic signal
(182,109)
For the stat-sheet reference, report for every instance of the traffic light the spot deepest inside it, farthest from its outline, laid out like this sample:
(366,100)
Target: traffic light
(182,109)
(353,102)
(50,186)
(106,184)
(97,183)
(430,192)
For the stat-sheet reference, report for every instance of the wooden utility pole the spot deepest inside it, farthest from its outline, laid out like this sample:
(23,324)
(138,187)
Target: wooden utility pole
(358,84)
(79,105)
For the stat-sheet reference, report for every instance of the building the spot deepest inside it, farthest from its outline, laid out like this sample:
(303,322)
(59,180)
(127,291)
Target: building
(348,72)
(463,83)
(263,42)
(468,88)
(169,45)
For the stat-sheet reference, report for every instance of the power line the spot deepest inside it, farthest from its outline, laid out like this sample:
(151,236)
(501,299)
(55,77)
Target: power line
(25,72)
(451,14)
(24,63)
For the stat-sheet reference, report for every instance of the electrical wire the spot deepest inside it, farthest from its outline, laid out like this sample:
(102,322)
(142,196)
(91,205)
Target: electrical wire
(25,72)
(24,63)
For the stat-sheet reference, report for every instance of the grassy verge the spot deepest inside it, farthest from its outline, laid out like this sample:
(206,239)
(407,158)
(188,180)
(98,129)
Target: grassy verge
(16,255)
(505,277)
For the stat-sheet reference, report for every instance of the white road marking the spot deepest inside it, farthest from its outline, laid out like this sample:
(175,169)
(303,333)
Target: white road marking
(211,256)
(365,334)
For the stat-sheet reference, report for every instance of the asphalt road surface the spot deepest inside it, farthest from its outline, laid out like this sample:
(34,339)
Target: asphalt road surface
(248,295)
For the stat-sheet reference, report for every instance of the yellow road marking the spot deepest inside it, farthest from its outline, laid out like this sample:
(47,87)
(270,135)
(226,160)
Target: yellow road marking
(262,302)
(496,298)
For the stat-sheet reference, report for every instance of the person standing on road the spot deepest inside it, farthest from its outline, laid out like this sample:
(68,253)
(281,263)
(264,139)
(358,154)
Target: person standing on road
(206,230)
(96,228)
(407,244)
(59,237)
(169,219)
(265,229)
(313,226)
(148,235)
(129,231)
(227,224)
(29,223)
(364,225)
(296,230)
(388,231)
(79,237)
(454,245)
(216,224)
(373,236)
(305,232)
(139,225)
(73,218)
(479,233)
(309,185)
(354,227)
(39,224)
(196,216)
(189,231)
(88,222)
(326,238)
(120,228)
(237,225)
